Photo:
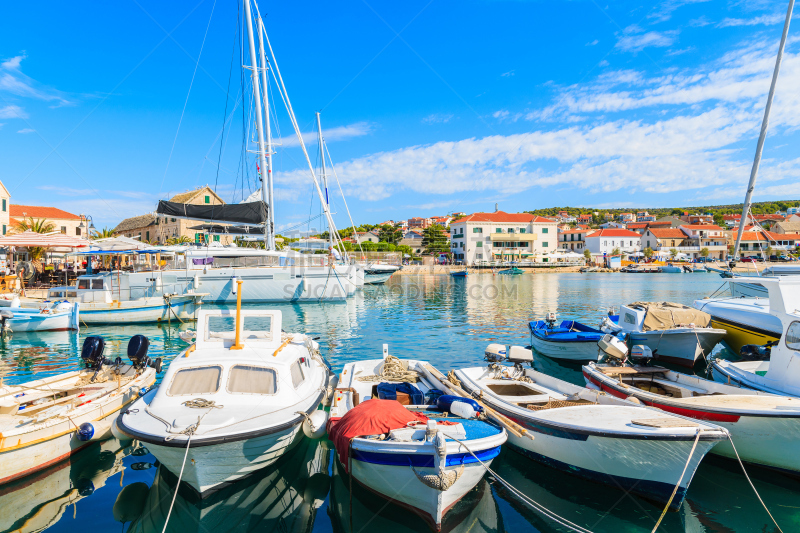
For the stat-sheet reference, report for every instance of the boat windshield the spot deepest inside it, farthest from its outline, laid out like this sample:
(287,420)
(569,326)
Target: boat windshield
(224,327)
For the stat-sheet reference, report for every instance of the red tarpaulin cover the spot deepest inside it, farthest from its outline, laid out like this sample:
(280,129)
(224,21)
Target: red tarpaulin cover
(371,417)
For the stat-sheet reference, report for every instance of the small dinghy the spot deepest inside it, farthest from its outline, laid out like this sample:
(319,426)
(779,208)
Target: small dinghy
(513,271)
(50,316)
(43,422)
(459,274)
(233,402)
(676,333)
(410,443)
(569,340)
(589,433)
(765,428)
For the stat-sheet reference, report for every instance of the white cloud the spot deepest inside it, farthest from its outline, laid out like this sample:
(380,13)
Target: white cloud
(438,118)
(634,39)
(26,130)
(339,133)
(12,111)
(766,20)
(507,74)
(603,63)
(592,43)
(663,11)
(13,81)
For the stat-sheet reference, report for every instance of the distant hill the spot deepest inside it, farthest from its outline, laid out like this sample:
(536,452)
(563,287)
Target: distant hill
(758,208)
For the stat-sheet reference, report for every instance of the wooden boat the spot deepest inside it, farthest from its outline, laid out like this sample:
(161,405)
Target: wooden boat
(674,332)
(513,271)
(591,434)
(765,428)
(242,392)
(43,422)
(419,463)
(569,340)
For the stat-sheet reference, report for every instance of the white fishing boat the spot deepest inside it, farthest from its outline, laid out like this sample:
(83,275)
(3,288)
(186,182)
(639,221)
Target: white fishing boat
(378,274)
(745,320)
(676,333)
(591,434)
(234,402)
(778,371)
(45,421)
(49,316)
(765,428)
(124,298)
(408,451)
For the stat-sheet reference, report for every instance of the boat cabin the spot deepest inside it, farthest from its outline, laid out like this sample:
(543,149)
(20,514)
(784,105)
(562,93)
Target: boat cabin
(107,287)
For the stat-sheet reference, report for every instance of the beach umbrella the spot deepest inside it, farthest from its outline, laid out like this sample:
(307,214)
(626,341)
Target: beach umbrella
(31,239)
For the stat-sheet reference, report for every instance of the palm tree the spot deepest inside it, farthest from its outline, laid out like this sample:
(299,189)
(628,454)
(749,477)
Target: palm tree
(104,233)
(37,226)
(648,252)
(182,239)
(673,252)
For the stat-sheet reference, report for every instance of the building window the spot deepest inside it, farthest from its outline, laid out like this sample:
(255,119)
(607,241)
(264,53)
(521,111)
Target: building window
(511,230)
(478,244)
(545,245)
(208,199)
(477,230)
(147,236)
(498,230)
(4,229)
(4,204)
(544,230)
(522,230)
(77,231)
(173,220)
(64,229)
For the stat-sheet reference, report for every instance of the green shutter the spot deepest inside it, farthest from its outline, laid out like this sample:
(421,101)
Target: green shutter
(208,199)
(478,244)
(4,206)
(544,230)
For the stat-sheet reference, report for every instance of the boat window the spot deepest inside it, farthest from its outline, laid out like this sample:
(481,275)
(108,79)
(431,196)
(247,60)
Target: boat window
(629,318)
(297,374)
(793,336)
(246,379)
(83,283)
(97,284)
(198,380)
(253,327)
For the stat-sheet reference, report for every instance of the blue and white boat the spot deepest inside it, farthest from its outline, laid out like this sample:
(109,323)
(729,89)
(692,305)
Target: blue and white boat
(50,316)
(669,268)
(569,340)
(590,433)
(413,453)
(459,274)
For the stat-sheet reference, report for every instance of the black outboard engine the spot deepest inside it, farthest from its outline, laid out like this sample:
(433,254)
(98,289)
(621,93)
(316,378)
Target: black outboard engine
(137,353)
(92,353)
(754,352)
(5,315)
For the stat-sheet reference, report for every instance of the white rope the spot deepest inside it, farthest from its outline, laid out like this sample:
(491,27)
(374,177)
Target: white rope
(532,503)
(392,370)
(678,484)
(751,484)
(180,475)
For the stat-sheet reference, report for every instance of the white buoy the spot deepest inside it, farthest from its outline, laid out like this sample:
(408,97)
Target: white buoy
(314,425)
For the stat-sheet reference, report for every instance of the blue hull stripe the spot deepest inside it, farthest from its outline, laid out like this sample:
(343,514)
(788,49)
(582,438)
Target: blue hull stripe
(418,460)
(651,490)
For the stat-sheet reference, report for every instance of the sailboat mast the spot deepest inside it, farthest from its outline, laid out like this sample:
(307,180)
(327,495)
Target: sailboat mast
(266,192)
(324,174)
(257,101)
(763,135)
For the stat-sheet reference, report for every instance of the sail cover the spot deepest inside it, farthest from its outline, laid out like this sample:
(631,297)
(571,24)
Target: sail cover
(668,315)
(250,213)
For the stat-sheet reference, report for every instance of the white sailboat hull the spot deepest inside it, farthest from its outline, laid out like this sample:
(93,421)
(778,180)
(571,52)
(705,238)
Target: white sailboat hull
(152,309)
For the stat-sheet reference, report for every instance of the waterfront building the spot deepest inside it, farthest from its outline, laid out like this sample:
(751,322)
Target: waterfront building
(790,225)
(699,236)
(662,239)
(414,244)
(419,223)
(501,235)
(65,222)
(756,243)
(604,241)
(573,240)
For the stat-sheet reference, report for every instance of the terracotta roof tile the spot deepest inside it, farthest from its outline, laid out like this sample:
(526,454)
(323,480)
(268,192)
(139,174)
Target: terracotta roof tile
(503,217)
(35,211)
(710,227)
(667,233)
(614,232)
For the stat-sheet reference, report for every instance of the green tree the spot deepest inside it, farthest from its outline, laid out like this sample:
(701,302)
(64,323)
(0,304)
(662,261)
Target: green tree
(768,252)
(719,220)
(390,234)
(648,252)
(435,241)
(181,239)
(104,233)
(587,254)
(704,252)
(37,226)
(673,253)
(616,251)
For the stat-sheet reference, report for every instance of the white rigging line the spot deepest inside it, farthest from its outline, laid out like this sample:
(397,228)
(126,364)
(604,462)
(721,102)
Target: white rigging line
(197,64)
(353,224)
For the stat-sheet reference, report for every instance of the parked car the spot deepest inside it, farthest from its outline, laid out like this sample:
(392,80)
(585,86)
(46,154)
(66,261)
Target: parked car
(749,259)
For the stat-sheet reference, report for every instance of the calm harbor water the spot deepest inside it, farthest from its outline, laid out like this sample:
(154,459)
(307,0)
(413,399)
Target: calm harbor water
(119,487)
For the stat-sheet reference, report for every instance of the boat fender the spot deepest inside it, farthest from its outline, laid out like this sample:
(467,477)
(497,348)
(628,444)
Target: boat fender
(444,402)
(634,399)
(463,409)
(317,488)
(94,431)
(315,424)
(130,502)
(117,432)
(142,391)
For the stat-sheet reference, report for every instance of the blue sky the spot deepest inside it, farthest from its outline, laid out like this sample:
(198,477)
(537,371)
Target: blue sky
(428,107)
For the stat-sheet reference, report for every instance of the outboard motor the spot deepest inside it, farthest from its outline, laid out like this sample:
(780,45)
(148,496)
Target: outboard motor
(5,315)
(92,353)
(641,354)
(495,353)
(550,320)
(137,353)
(754,352)
(612,349)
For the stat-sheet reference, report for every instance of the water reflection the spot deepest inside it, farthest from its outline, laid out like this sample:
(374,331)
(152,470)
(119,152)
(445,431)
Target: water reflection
(284,498)
(37,502)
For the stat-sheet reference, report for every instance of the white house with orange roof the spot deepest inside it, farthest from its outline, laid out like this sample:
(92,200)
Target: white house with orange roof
(573,240)
(700,236)
(65,222)
(604,241)
(500,235)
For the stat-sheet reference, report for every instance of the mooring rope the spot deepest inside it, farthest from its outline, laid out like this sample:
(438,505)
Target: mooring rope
(392,370)
(678,484)
(751,484)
